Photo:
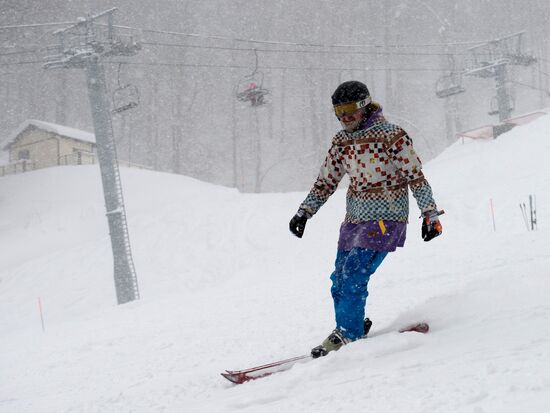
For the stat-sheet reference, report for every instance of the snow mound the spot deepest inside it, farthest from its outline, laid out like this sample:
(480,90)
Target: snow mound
(224,285)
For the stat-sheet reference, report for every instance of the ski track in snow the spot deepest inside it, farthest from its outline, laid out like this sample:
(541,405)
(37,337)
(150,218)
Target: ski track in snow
(225,286)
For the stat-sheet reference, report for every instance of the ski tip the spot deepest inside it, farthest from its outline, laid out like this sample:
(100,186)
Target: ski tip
(232,378)
(417,327)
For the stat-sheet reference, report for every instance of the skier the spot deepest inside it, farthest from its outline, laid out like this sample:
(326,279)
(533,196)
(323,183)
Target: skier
(381,163)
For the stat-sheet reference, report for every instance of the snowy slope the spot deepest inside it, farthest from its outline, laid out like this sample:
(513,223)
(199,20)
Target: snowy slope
(224,285)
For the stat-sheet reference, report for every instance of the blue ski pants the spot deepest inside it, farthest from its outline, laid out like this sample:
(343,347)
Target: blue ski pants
(349,288)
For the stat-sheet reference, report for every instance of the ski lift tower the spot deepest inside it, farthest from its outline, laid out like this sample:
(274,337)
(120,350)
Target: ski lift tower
(83,45)
(491,59)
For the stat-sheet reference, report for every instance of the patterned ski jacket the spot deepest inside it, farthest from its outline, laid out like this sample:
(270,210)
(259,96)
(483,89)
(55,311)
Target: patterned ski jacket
(382,164)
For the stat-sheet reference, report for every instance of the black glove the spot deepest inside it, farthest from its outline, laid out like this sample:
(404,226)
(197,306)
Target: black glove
(297,224)
(431,227)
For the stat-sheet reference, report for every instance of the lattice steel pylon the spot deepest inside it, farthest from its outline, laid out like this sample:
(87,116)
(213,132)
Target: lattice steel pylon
(82,45)
(490,60)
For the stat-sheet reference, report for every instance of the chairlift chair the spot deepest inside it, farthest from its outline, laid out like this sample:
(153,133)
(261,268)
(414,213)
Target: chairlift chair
(249,89)
(449,85)
(125,98)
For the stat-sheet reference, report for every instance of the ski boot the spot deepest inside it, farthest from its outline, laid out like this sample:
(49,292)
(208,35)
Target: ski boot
(336,340)
(332,343)
(367,324)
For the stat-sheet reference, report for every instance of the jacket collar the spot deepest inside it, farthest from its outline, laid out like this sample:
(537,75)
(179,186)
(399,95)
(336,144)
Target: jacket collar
(375,117)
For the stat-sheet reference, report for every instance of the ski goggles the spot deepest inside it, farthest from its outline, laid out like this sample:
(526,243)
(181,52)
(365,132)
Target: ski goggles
(350,108)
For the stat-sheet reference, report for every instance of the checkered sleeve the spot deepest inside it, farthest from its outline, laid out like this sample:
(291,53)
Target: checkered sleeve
(329,177)
(403,156)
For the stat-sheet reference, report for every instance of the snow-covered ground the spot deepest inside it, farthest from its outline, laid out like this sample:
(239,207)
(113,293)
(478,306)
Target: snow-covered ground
(224,285)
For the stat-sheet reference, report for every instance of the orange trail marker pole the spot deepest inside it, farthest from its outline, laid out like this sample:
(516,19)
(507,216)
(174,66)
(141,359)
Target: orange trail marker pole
(41,314)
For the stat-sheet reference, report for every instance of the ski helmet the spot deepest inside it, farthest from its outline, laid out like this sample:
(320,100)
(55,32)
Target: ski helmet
(350,91)
(350,99)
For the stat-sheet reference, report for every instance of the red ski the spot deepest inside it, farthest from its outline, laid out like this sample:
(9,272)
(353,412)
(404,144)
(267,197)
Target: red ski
(418,327)
(253,373)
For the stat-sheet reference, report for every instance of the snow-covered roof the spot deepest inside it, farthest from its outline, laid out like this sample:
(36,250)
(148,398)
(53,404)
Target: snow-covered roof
(60,130)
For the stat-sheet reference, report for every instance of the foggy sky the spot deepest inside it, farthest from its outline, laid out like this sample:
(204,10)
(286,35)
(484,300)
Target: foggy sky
(189,121)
